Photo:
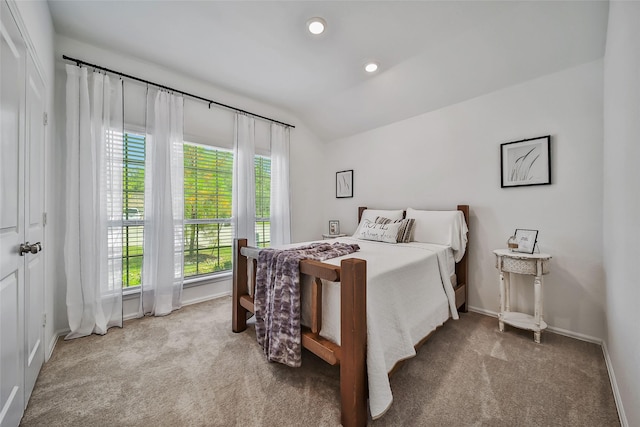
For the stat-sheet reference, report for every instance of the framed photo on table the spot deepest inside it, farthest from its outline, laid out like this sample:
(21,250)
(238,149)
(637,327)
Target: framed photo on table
(525,162)
(344,184)
(334,227)
(526,240)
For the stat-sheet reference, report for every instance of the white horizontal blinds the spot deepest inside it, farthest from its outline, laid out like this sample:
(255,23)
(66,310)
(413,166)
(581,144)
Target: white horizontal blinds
(133,209)
(208,236)
(208,232)
(133,184)
(263,197)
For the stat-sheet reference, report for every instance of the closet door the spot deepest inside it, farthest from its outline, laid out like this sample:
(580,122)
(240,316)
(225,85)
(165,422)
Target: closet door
(12,221)
(34,225)
(22,150)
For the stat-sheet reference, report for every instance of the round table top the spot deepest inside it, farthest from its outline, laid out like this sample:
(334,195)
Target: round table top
(521,255)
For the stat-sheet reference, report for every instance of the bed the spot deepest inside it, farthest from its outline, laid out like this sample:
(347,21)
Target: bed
(369,311)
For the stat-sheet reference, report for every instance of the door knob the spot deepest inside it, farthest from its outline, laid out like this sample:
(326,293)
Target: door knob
(26,248)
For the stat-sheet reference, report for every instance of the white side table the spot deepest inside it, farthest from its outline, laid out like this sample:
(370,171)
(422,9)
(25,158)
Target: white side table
(508,263)
(332,236)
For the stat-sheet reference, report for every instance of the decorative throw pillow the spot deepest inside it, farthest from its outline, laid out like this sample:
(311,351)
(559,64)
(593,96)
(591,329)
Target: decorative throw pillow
(393,214)
(405,233)
(371,214)
(387,233)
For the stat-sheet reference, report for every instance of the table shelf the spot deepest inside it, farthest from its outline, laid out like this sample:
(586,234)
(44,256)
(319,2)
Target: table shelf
(523,321)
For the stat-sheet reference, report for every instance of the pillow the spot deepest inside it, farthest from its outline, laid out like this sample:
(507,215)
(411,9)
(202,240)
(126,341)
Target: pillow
(372,214)
(369,230)
(405,233)
(441,227)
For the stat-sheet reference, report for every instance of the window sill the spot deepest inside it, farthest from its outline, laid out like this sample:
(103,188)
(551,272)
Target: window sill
(134,291)
(209,278)
(131,292)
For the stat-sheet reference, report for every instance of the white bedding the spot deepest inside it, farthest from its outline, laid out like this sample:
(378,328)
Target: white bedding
(409,294)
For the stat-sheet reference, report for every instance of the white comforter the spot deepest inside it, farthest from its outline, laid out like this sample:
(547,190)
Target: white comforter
(409,294)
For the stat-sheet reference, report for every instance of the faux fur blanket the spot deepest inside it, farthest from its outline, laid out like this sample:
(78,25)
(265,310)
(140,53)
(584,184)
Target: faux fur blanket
(277,297)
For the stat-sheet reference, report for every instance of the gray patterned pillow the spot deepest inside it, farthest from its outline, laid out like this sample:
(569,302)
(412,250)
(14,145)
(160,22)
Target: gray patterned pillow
(387,233)
(405,233)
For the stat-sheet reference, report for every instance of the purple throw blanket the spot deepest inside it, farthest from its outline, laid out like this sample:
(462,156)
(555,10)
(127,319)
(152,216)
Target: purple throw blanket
(277,297)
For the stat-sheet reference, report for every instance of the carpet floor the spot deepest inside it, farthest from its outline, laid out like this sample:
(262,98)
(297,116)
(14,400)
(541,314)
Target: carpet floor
(189,369)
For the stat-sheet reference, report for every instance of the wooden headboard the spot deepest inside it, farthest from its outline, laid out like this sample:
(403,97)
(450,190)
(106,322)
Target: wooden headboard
(461,266)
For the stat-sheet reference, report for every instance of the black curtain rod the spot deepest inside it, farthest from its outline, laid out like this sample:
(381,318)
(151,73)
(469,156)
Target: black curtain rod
(209,101)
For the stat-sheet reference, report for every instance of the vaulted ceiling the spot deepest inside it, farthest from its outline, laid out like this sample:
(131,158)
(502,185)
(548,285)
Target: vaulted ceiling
(431,53)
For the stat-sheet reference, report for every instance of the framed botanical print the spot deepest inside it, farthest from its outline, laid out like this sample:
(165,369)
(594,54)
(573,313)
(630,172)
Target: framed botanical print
(344,184)
(525,162)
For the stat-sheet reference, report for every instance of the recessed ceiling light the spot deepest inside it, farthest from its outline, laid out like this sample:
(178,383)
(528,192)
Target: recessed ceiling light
(371,67)
(316,25)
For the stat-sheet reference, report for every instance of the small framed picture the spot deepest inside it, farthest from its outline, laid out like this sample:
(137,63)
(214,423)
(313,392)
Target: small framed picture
(344,184)
(334,227)
(525,162)
(526,240)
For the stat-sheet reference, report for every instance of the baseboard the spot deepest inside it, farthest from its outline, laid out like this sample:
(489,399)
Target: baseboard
(559,331)
(483,311)
(130,316)
(52,344)
(576,335)
(614,386)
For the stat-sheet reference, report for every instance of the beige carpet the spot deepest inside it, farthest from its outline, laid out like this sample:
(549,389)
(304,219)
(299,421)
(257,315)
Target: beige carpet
(189,369)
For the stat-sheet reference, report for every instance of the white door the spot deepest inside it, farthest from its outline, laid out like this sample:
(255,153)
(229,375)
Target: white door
(21,221)
(12,222)
(34,227)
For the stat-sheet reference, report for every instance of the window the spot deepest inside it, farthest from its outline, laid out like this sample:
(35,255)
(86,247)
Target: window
(263,197)
(208,232)
(133,209)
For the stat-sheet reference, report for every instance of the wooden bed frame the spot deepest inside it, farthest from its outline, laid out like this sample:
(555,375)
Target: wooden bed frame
(351,355)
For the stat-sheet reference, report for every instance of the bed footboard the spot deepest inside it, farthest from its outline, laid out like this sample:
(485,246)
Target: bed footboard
(351,355)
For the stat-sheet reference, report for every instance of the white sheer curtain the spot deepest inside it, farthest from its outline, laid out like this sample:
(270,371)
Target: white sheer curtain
(244,182)
(162,263)
(93,235)
(280,215)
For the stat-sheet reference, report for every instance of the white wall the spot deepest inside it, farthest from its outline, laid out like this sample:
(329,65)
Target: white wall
(202,125)
(451,156)
(36,20)
(622,203)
